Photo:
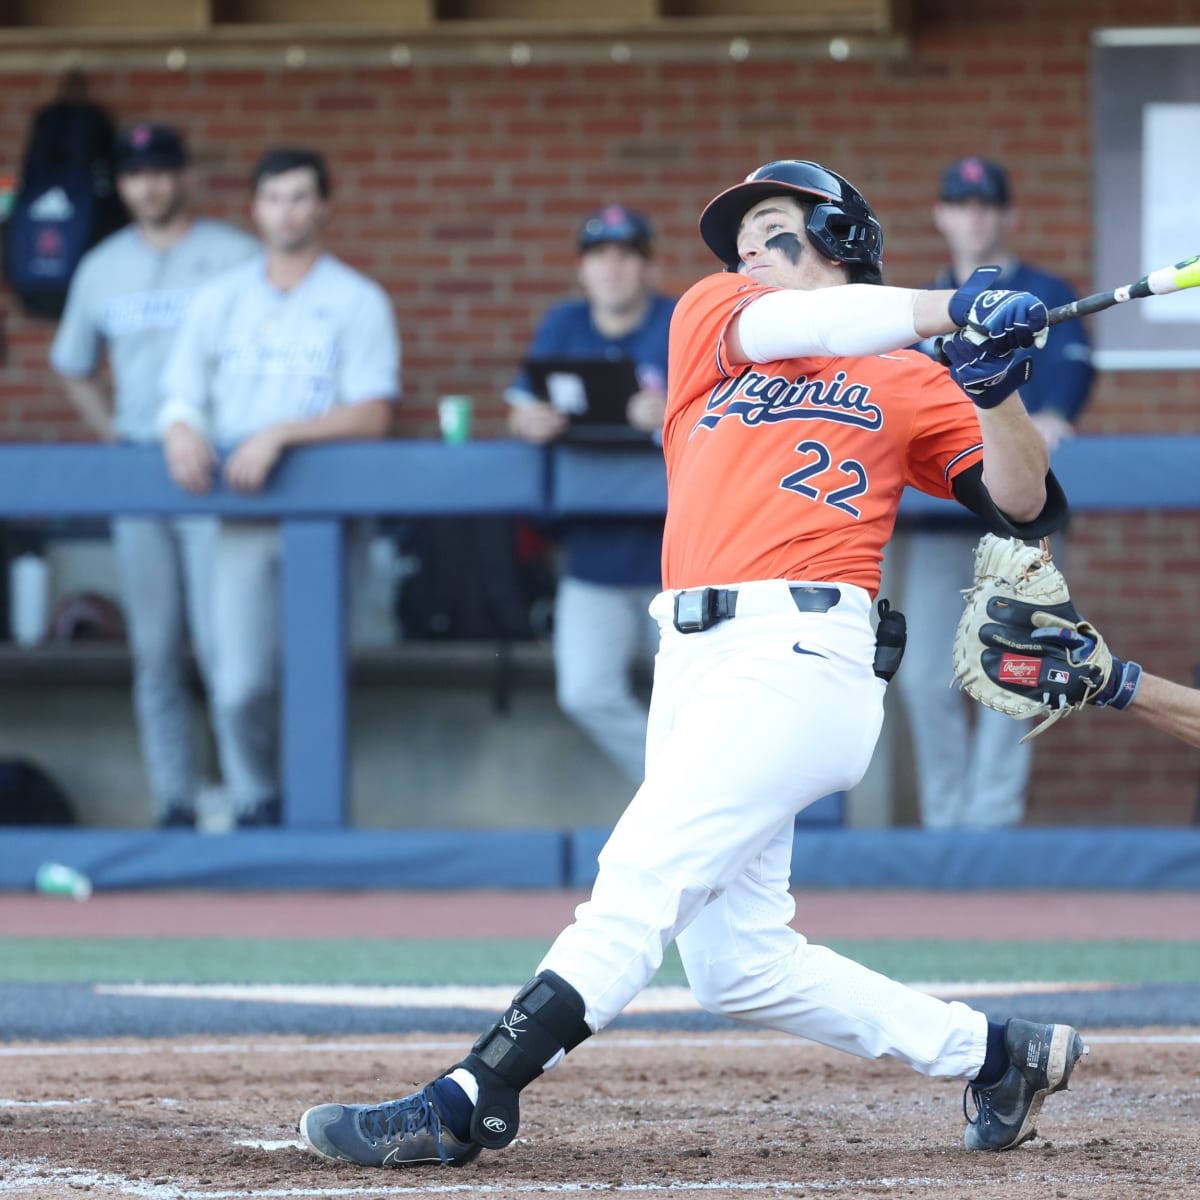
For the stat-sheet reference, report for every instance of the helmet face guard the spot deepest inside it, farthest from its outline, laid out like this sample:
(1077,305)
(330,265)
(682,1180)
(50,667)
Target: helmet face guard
(842,225)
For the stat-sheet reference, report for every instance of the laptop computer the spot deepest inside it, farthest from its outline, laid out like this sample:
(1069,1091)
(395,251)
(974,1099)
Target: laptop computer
(593,392)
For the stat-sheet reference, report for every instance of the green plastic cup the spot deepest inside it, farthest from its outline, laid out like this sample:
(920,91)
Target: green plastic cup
(454,418)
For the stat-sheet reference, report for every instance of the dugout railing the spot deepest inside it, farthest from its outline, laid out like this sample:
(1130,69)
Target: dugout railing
(316,489)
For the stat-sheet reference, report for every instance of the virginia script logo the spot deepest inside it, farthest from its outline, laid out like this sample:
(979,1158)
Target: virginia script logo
(759,399)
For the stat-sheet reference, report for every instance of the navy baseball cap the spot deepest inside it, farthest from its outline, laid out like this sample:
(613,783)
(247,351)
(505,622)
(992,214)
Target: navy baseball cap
(616,224)
(149,146)
(975,179)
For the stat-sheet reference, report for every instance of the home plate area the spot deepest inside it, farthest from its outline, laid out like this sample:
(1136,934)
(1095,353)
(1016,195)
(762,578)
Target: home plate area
(706,1115)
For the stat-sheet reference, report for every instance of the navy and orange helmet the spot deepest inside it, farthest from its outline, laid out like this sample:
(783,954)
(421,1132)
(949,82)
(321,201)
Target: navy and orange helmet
(841,225)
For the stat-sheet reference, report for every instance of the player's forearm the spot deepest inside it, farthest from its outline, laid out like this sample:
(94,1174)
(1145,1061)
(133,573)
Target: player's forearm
(92,403)
(931,313)
(1169,707)
(857,319)
(1015,460)
(177,411)
(366,421)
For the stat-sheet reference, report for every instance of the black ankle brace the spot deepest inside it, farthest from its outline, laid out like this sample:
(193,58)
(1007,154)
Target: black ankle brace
(545,1019)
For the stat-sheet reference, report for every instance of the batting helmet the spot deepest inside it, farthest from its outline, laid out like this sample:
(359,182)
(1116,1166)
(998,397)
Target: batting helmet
(841,225)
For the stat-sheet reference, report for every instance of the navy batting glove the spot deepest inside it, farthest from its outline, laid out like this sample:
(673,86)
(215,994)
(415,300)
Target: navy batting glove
(986,376)
(1122,686)
(1123,680)
(983,279)
(996,317)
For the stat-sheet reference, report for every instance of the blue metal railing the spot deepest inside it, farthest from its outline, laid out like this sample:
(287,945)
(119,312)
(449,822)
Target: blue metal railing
(315,489)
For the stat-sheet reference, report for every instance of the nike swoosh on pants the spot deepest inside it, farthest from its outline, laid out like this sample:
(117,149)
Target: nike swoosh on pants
(799,649)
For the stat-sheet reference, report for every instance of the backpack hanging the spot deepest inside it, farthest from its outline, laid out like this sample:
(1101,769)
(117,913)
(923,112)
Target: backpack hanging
(66,202)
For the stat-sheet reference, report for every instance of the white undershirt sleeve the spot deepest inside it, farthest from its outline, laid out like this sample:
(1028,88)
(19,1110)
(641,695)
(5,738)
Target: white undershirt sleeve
(844,321)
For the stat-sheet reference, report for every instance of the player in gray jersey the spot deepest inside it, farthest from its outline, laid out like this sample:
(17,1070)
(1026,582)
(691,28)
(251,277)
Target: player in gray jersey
(127,300)
(291,349)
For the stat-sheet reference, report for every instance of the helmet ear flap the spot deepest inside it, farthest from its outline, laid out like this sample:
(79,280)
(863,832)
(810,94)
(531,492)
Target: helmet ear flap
(843,236)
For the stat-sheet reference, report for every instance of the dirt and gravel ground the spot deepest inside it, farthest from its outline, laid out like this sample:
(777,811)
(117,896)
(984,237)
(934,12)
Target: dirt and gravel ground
(651,1114)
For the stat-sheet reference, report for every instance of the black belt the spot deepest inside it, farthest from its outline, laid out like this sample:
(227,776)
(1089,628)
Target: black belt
(702,608)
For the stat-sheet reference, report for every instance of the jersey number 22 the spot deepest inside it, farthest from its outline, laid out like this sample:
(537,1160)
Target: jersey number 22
(822,460)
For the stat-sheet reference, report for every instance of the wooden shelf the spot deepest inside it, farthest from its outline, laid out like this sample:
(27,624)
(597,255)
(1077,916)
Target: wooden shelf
(817,16)
(564,13)
(317,14)
(150,22)
(79,15)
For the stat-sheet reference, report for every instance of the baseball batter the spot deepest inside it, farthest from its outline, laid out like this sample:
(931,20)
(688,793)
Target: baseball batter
(793,424)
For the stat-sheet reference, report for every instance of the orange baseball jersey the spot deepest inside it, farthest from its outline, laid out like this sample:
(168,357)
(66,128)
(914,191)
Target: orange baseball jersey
(794,469)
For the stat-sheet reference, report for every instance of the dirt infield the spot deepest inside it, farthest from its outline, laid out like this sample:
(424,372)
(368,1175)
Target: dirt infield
(705,1115)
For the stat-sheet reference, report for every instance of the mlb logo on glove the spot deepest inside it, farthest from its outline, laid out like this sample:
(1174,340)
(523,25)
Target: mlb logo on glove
(1058,677)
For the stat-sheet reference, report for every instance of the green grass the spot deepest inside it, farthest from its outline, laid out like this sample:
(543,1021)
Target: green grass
(483,961)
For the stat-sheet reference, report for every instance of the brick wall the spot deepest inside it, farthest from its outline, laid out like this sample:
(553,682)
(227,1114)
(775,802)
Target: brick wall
(460,189)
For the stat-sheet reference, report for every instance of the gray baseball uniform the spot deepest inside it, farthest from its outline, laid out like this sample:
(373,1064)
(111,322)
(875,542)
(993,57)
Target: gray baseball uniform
(128,299)
(250,356)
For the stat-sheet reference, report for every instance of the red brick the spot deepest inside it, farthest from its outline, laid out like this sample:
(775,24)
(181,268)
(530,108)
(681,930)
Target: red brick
(461,187)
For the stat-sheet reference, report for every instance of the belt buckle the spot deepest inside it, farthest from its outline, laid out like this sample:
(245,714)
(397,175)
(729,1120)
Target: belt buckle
(696,611)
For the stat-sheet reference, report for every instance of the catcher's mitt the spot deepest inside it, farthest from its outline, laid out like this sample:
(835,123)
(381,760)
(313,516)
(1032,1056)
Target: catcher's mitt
(1021,648)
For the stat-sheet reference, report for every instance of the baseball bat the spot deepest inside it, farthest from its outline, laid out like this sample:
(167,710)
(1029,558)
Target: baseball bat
(1162,282)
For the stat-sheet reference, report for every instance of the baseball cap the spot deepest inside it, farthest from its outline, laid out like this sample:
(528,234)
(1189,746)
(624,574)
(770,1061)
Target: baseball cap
(616,224)
(150,145)
(975,179)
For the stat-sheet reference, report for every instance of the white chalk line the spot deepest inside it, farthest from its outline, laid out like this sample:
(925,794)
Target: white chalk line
(1143,1039)
(699,1041)
(159,1101)
(57,1051)
(20,1177)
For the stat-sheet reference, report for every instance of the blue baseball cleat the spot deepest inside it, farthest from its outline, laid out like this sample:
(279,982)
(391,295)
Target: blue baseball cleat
(396,1133)
(1040,1061)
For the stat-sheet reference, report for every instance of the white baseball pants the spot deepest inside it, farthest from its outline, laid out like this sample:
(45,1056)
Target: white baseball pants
(601,631)
(165,568)
(246,660)
(247,562)
(751,721)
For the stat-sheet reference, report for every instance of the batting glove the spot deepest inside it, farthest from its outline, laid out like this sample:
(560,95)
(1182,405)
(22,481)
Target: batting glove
(986,376)
(996,317)
(1123,680)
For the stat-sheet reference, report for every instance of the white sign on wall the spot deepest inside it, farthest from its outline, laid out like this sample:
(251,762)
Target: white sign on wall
(1170,201)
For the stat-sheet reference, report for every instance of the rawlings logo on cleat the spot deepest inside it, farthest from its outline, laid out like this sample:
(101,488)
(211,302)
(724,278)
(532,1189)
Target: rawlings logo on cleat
(1018,669)
(495,1124)
(510,1022)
